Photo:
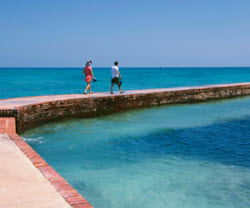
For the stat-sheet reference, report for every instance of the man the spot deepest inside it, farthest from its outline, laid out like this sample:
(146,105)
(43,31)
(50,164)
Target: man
(115,77)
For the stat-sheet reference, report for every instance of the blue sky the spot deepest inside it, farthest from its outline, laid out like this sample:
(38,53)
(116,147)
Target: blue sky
(171,33)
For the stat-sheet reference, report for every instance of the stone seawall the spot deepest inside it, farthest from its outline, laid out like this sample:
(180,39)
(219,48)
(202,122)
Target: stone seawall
(33,111)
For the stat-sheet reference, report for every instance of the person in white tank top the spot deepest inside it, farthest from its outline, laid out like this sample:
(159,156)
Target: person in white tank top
(115,77)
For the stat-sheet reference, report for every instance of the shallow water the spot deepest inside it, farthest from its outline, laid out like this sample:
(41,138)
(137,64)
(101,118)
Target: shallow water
(177,156)
(21,82)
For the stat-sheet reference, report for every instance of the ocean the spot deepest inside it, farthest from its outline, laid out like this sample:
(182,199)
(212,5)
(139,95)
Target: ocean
(22,82)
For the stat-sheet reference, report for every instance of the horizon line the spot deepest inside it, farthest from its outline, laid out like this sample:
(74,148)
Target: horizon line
(127,67)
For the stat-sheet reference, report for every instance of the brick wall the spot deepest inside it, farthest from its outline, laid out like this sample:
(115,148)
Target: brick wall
(37,114)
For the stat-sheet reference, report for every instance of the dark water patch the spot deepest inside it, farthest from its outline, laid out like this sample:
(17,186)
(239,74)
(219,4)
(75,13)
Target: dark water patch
(227,143)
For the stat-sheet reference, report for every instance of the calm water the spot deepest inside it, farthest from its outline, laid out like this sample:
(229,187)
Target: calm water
(178,156)
(20,82)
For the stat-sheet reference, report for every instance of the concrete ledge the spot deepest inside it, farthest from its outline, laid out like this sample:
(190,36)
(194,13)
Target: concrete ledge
(33,111)
(27,180)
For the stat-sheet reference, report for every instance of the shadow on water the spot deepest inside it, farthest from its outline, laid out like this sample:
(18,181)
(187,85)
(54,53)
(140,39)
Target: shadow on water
(51,127)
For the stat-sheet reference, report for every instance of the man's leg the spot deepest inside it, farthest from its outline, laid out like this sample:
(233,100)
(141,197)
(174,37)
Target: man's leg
(119,86)
(112,86)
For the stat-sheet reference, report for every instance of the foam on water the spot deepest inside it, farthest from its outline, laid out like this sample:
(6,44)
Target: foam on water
(36,140)
(171,156)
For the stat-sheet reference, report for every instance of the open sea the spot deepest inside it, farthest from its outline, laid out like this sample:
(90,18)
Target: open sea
(21,82)
(173,156)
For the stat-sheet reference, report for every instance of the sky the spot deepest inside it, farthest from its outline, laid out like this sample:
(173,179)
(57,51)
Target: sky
(137,33)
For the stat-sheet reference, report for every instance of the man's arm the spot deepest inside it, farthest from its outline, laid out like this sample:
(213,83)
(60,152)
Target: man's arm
(119,74)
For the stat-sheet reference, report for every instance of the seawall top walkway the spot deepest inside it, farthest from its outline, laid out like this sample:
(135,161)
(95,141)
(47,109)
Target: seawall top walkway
(15,103)
(32,111)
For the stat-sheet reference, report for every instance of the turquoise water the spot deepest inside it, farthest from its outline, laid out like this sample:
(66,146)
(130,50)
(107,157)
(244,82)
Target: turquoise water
(21,82)
(177,156)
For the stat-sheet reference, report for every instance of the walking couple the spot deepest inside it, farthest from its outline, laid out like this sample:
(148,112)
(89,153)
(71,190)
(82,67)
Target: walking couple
(116,77)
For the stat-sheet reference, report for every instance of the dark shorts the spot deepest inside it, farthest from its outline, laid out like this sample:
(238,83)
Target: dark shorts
(116,80)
